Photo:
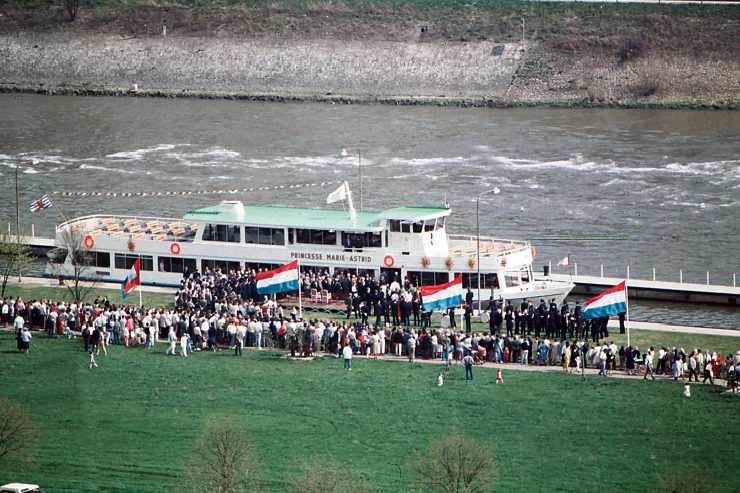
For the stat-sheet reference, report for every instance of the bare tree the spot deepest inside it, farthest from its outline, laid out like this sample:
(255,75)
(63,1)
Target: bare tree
(17,432)
(326,474)
(15,258)
(71,6)
(456,464)
(223,460)
(79,277)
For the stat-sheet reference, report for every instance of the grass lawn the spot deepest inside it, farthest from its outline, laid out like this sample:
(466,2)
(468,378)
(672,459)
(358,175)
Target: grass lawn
(129,425)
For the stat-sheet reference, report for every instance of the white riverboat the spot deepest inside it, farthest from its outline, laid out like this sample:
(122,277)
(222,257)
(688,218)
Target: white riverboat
(398,243)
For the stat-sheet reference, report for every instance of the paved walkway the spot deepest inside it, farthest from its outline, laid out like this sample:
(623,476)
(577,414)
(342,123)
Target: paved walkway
(590,372)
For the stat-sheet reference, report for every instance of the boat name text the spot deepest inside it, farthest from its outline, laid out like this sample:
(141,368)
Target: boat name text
(331,257)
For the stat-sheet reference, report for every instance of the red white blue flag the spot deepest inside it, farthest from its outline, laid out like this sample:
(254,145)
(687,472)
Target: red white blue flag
(442,296)
(610,302)
(282,279)
(132,280)
(42,203)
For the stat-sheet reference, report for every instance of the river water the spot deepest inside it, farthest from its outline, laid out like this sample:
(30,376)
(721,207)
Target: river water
(666,181)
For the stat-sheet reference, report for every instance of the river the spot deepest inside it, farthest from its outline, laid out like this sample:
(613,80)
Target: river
(666,181)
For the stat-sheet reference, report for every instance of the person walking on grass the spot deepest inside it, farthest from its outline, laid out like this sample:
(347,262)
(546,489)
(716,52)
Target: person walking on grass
(172,339)
(468,361)
(649,363)
(347,355)
(92,360)
(25,338)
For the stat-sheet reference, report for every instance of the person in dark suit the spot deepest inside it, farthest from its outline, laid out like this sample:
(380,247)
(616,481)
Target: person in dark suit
(469,298)
(468,317)
(509,317)
(451,314)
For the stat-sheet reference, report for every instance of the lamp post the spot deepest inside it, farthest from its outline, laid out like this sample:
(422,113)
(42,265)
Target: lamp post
(357,153)
(494,191)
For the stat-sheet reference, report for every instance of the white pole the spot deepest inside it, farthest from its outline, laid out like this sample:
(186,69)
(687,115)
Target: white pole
(575,269)
(707,278)
(549,268)
(733,281)
(33,231)
(680,276)
(141,301)
(300,297)
(628,272)
(653,274)
(602,270)
(627,314)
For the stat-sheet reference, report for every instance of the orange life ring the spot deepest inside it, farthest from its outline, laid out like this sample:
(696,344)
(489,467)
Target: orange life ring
(175,248)
(389,261)
(534,252)
(503,262)
(89,241)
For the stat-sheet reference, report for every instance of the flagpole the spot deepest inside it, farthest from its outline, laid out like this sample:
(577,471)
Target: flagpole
(300,297)
(570,268)
(55,207)
(141,302)
(627,314)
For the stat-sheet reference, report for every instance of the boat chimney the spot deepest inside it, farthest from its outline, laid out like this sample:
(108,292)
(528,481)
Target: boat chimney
(234,207)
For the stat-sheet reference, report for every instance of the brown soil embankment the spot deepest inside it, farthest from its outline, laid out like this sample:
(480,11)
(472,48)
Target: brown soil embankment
(445,53)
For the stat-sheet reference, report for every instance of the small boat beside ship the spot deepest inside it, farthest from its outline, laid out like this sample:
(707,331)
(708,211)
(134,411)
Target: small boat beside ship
(399,243)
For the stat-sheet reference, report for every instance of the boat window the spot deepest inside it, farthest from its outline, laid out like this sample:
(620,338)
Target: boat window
(406,227)
(259,266)
(224,265)
(100,259)
(362,240)
(176,264)
(427,278)
(264,236)
(395,226)
(430,224)
(487,280)
(222,232)
(316,236)
(126,261)
(524,272)
(418,227)
(512,279)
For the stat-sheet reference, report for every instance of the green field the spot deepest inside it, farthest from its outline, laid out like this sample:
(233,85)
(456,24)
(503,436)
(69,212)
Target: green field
(129,425)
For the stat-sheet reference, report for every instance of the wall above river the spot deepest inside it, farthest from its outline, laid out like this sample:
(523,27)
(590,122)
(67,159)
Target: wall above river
(290,67)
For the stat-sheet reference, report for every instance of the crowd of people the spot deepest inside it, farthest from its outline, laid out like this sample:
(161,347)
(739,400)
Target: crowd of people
(213,310)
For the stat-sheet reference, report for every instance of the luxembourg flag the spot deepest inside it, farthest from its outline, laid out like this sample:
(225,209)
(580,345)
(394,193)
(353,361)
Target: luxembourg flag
(610,302)
(282,279)
(132,280)
(442,296)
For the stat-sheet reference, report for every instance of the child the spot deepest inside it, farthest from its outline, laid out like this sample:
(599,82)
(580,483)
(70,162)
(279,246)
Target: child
(440,380)
(687,390)
(92,360)
(499,377)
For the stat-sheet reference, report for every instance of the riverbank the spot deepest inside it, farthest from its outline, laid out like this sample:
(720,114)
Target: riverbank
(453,53)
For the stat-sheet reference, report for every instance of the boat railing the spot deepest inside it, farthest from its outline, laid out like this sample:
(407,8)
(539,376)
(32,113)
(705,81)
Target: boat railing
(136,227)
(489,246)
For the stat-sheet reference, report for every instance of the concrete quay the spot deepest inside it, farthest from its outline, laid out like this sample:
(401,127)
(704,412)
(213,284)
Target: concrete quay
(683,292)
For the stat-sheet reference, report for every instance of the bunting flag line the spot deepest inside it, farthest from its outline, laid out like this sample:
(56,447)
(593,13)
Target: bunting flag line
(193,192)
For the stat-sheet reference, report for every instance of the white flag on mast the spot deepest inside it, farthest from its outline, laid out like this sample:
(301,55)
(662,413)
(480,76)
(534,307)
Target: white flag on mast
(340,193)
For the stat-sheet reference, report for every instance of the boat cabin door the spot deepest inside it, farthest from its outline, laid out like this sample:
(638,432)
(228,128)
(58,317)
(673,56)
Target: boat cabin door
(391,275)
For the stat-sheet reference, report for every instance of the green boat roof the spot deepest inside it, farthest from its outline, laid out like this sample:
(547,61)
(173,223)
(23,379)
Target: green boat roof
(293,217)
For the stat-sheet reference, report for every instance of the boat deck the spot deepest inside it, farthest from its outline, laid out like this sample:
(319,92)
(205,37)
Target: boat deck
(489,247)
(137,228)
